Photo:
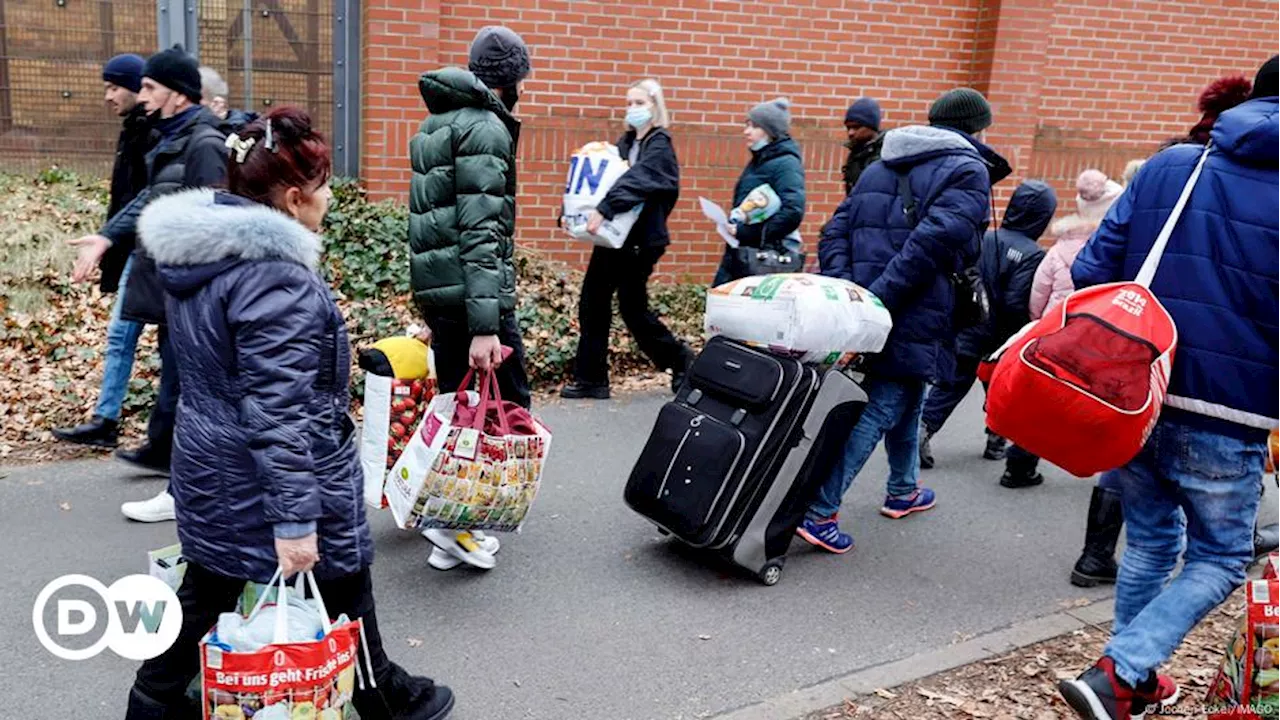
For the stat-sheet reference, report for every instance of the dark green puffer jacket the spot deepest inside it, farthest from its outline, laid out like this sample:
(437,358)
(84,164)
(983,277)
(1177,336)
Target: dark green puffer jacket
(462,201)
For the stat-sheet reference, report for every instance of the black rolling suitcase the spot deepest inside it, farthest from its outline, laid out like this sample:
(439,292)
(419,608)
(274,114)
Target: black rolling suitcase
(733,462)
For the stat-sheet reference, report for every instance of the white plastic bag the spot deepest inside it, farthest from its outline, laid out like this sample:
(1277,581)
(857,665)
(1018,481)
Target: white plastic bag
(812,317)
(593,170)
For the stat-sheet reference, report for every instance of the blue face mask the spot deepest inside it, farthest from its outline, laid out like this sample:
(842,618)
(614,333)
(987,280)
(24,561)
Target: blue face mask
(759,145)
(638,117)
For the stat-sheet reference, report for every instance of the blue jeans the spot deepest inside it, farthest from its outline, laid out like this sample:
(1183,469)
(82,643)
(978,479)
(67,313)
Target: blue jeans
(1188,489)
(122,343)
(892,413)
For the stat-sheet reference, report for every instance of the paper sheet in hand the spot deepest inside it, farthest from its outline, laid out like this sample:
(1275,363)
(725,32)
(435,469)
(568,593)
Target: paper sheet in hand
(716,214)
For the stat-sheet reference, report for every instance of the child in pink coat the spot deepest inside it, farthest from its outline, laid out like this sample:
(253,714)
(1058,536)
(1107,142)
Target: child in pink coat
(1094,194)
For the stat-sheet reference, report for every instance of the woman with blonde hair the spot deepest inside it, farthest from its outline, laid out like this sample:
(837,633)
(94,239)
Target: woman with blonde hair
(653,182)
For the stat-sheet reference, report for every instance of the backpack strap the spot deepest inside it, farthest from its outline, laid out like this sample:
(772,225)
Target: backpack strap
(908,199)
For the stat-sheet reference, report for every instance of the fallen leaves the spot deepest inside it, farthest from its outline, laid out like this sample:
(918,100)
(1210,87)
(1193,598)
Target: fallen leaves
(1022,685)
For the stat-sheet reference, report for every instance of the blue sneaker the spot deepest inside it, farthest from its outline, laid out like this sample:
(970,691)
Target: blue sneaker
(900,507)
(826,535)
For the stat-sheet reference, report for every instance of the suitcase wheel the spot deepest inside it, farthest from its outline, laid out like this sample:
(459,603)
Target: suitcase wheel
(770,574)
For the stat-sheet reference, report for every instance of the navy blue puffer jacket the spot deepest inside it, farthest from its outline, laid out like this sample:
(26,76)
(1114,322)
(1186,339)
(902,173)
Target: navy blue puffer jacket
(910,269)
(1218,276)
(264,446)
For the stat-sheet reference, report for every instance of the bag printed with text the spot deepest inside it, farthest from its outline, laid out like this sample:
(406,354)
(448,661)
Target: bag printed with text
(1249,679)
(398,385)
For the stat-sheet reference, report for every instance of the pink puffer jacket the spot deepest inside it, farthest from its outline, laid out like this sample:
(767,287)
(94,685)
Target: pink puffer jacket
(1052,283)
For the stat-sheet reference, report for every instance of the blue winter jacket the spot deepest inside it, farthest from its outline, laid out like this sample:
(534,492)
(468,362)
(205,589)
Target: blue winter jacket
(264,446)
(1218,275)
(910,269)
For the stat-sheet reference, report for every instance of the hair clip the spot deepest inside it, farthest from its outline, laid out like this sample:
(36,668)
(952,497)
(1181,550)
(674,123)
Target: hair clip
(240,146)
(270,140)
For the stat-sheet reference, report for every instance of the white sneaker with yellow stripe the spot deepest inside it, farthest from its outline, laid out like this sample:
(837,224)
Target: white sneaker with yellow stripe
(451,549)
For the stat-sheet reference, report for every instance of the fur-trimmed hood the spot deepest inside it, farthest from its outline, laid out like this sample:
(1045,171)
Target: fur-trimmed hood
(1072,228)
(913,144)
(200,227)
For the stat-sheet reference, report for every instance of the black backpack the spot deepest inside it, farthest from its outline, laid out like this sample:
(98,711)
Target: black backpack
(973,305)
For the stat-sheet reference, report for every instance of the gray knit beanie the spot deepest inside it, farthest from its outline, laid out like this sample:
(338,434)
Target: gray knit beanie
(499,57)
(773,117)
(963,109)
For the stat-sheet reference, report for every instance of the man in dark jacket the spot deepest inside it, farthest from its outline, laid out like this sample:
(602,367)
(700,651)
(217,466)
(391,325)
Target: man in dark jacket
(462,213)
(1007,264)
(122,77)
(1193,491)
(189,152)
(862,122)
(909,266)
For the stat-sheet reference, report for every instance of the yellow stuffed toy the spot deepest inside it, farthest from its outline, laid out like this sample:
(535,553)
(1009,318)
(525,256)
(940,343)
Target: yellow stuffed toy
(400,357)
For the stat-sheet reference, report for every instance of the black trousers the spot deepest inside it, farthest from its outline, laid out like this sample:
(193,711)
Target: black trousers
(627,273)
(159,691)
(165,413)
(451,340)
(945,395)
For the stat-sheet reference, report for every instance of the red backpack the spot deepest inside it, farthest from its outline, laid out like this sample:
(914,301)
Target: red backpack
(1083,386)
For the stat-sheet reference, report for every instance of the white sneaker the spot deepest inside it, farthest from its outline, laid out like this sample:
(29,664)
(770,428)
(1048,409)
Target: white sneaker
(157,509)
(452,549)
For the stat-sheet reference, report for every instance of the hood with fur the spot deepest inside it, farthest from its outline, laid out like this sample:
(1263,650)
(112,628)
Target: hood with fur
(914,144)
(196,235)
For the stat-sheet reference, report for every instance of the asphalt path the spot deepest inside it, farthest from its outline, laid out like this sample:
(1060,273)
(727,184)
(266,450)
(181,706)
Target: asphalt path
(590,614)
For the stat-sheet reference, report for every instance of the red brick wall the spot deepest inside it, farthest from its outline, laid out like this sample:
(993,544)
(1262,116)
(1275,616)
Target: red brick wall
(1113,80)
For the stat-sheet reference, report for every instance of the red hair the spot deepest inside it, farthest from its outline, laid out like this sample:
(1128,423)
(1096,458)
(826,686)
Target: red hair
(297,156)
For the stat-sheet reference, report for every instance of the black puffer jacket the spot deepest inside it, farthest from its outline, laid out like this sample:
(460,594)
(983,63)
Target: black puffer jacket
(653,180)
(1008,264)
(128,178)
(193,154)
(264,447)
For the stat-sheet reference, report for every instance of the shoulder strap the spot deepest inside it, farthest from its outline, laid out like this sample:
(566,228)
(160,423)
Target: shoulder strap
(1148,271)
(908,200)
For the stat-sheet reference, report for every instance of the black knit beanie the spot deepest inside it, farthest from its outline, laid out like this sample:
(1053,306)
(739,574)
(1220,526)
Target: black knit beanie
(963,109)
(124,71)
(1266,83)
(177,70)
(499,57)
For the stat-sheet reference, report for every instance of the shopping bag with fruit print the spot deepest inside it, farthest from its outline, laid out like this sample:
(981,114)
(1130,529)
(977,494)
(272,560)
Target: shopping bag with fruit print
(475,463)
(305,665)
(398,384)
(1248,683)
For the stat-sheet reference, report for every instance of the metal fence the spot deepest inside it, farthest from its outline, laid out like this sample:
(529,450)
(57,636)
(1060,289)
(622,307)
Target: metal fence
(271,52)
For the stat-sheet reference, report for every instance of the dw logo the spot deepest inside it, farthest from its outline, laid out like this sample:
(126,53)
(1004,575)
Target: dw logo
(143,617)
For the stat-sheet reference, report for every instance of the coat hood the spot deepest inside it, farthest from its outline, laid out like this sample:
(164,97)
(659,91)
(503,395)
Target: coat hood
(196,235)
(1030,209)
(453,88)
(914,144)
(1250,133)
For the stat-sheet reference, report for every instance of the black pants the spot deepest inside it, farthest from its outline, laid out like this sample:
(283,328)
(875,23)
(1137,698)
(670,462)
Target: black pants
(159,691)
(451,340)
(945,395)
(626,272)
(165,413)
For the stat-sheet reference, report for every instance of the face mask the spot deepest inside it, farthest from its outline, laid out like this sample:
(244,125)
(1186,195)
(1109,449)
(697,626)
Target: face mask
(759,145)
(638,117)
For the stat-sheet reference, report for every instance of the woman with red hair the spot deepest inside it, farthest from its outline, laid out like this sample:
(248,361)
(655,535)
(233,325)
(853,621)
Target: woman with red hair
(266,472)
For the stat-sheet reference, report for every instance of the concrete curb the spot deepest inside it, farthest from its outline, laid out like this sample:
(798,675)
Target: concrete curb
(833,692)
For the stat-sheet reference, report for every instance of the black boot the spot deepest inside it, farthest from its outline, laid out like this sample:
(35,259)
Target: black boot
(678,374)
(996,447)
(401,696)
(926,451)
(578,390)
(142,707)
(148,457)
(1020,469)
(1266,538)
(98,432)
(1097,564)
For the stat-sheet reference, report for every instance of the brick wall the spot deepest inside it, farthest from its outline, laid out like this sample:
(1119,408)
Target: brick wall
(1073,83)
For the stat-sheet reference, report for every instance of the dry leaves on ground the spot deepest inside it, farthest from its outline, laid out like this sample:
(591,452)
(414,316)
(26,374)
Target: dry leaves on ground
(1022,685)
